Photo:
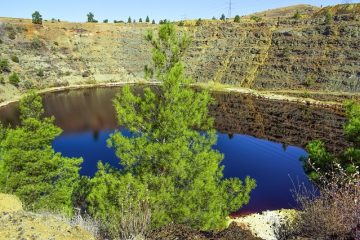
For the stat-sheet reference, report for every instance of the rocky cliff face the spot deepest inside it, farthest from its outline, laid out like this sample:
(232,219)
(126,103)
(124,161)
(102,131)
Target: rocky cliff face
(282,54)
(278,52)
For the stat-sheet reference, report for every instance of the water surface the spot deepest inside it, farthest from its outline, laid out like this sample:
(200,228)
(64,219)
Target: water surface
(259,138)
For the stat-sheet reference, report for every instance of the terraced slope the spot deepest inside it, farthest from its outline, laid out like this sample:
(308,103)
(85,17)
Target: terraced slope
(276,53)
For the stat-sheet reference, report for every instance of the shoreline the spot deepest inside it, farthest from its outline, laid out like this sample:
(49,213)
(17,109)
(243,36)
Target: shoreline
(268,95)
(264,224)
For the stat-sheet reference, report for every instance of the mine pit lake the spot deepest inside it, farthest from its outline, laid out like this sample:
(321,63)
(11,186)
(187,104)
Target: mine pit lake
(260,138)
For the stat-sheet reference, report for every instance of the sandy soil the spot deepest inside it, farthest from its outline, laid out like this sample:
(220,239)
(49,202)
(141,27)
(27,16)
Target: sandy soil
(18,224)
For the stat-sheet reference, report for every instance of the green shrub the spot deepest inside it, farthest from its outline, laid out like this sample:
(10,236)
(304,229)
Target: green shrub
(90,81)
(15,59)
(2,80)
(119,201)
(1,41)
(21,29)
(237,19)
(12,35)
(32,170)
(181,24)
(256,18)
(309,81)
(286,52)
(36,18)
(4,65)
(328,17)
(36,43)
(199,22)
(297,15)
(86,74)
(14,79)
(61,83)
(40,73)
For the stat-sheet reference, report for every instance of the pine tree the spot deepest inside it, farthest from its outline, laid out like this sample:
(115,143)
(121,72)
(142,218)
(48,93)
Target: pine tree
(153,21)
(170,148)
(223,18)
(29,167)
(90,17)
(147,19)
(36,18)
(129,20)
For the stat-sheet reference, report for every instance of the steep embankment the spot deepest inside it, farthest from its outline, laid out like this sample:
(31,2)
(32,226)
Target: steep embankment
(276,53)
(282,53)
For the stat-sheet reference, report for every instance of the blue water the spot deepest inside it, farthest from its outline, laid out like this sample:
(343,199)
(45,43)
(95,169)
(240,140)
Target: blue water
(273,165)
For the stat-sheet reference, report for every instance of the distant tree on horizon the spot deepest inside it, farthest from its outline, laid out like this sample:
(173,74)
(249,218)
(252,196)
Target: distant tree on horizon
(153,21)
(164,21)
(140,20)
(147,19)
(198,22)
(223,18)
(90,18)
(36,18)
(106,21)
(237,19)
(129,20)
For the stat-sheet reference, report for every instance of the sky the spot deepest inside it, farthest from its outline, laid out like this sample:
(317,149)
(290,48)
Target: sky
(76,10)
